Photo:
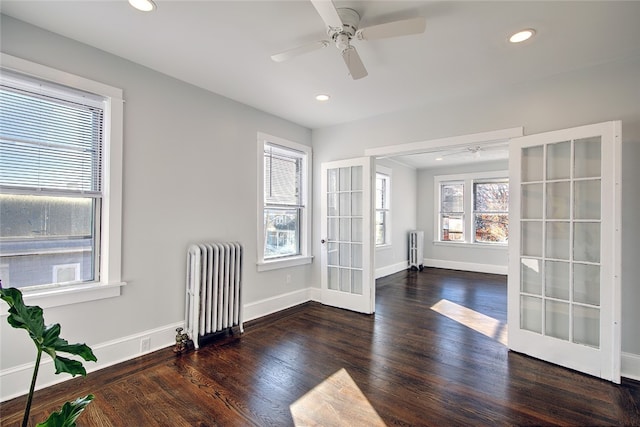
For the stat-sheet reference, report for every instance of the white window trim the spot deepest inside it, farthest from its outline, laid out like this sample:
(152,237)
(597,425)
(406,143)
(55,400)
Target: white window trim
(387,228)
(305,230)
(467,179)
(110,281)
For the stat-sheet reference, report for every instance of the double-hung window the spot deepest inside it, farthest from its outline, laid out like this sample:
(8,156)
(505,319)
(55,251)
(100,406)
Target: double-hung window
(473,208)
(491,211)
(55,220)
(383,206)
(452,211)
(285,219)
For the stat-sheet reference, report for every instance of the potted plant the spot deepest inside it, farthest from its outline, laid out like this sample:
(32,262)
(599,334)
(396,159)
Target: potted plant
(47,340)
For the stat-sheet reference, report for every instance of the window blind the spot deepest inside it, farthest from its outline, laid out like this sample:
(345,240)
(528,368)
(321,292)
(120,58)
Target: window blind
(282,177)
(49,144)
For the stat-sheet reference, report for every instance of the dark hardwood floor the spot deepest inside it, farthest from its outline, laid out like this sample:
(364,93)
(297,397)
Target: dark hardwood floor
(408,365)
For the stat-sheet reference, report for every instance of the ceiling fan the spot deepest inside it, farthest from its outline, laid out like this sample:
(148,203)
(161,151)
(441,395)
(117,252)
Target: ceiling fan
(342,28)
(475,150)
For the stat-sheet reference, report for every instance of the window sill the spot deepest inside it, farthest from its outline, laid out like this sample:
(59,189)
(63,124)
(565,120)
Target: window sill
(284,263)
(497,246)
(56,297)
(385,247)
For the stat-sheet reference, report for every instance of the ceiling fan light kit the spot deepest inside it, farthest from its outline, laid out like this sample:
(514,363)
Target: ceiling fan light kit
(522,35)
(342,27)
(143,5)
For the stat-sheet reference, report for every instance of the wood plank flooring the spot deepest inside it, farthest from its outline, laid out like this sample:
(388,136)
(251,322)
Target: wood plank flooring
(408,365)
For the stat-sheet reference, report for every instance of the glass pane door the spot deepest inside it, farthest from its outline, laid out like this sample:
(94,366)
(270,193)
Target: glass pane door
(563,291)
(344,225)
(560,206)
(347,232)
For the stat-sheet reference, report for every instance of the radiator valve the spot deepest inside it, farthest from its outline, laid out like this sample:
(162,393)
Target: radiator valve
(182,340)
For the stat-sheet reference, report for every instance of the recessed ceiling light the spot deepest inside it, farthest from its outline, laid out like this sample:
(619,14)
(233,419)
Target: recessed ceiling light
(322,97)
(438,159)
(143,5)
(521,36)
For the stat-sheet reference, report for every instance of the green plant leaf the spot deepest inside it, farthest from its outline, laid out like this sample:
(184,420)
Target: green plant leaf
(81,350)
(67,416)
(46,338)
(22,316)
(69,366)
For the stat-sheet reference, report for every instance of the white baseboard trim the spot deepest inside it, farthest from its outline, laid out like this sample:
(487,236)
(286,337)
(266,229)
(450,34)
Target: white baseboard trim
(15,381)
(391,269)
(466,266)
(630,366)
(271,305)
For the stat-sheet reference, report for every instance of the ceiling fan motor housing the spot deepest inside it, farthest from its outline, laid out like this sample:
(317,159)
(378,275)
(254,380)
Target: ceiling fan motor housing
(350,20)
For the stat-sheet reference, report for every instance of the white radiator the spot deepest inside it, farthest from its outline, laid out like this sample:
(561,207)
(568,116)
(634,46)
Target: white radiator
(416,249)
(214,289)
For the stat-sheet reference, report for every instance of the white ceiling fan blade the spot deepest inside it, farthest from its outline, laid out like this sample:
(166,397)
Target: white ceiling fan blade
(354,63)
(328,13)
(406,27)
(288,54)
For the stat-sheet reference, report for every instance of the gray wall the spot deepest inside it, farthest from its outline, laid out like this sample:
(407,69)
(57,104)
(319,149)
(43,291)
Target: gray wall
(189,176)
(404,197)
(600,93)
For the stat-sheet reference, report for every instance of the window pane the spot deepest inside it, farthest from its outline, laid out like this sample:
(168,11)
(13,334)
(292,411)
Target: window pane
(47,142)
(587,157)
(452,227)
(47,240)
(382,206)
(452,197)
(282,177)
(492,228)
(281,228)
(380,227)
(51,138)
(381,191)
(491,197)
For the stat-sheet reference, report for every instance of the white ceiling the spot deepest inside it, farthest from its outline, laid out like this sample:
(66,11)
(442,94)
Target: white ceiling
(225,47)
(455,156)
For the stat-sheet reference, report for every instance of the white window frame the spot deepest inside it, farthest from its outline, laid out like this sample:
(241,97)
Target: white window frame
(467,179)
(386,173)
(305,216)
(109,282)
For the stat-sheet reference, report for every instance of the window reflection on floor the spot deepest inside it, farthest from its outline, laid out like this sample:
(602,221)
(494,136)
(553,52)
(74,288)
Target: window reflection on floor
(337,401)
(479,322)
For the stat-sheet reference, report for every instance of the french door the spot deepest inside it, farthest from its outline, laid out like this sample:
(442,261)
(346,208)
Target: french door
(347,235)
(564,249)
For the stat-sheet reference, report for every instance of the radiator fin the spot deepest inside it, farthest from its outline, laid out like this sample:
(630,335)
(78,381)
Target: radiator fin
(416,249)
(214,289)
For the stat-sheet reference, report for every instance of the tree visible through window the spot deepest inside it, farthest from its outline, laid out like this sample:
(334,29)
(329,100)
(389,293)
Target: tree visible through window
(491,211)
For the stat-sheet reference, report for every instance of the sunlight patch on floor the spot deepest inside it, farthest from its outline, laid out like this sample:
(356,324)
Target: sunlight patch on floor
(479,322)
(337,401)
